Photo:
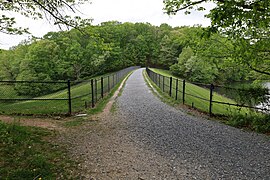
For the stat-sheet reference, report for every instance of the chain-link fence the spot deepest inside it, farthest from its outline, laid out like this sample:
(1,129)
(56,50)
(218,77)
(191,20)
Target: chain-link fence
(213,99)
(56,98)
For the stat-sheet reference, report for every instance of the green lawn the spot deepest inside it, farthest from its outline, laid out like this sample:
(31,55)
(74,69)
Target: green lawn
(194,90)
(81,95)
(26,153)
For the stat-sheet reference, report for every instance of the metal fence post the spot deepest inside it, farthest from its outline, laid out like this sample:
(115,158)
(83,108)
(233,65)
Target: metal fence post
(163,83)
(113,80)
(102,91)
(93,95)
(156,78)
(96,93)
(159,80)
(176,89)
(109,84)
(170,86)
(184,90)
(69,98)
(211,99)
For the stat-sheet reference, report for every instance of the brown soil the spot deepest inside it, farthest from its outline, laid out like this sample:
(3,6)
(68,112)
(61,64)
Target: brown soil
(52,124)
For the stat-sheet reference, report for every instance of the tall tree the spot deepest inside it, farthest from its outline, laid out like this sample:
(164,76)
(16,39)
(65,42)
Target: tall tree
(246,22)
(55,11)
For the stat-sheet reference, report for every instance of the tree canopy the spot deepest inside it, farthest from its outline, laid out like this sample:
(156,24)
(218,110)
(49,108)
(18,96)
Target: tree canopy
(113,45)
(247,22)
(238,17)
(55,11)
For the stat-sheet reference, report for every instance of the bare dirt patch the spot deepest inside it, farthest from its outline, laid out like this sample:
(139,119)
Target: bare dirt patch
(48,123)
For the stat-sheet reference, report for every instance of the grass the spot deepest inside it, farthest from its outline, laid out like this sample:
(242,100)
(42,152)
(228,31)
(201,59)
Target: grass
(25,153)
(102,103)
(81,95)
(8,91)
(98,108)
(194,90)
(78,121)
(157,91)
(233,116)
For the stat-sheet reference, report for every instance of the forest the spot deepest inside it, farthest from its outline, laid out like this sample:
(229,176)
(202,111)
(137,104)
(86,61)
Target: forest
(189,52)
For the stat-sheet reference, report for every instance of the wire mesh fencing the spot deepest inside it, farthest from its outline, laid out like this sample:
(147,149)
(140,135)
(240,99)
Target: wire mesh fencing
(28,97)
(213,99)
(56,98)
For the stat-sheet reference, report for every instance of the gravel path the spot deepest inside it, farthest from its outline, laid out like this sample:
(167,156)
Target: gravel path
(147,139)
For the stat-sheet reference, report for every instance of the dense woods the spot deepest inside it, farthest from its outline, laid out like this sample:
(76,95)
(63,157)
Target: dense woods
(189,52)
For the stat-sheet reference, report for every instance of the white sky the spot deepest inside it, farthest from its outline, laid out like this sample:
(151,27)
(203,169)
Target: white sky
(106,10)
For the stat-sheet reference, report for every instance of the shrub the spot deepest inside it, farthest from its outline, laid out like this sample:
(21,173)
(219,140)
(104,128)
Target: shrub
(255,121)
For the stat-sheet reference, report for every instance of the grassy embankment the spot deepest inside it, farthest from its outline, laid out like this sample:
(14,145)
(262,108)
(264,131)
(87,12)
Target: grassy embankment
(234,116)
(27,152)
(200,104)
(52,106)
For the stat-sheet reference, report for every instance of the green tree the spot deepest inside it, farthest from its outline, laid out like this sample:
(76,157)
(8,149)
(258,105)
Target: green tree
(10,61)
(168,52)
(180,68)
(52,10)
(246,22)
(40,64)
(238,17)
(198,70)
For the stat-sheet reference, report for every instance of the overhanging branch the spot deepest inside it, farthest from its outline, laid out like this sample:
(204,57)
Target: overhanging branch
(187,6)
(243,5)
(257,70)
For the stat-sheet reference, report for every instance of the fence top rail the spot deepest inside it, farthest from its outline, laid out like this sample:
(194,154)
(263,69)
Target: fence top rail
(164,75)
(215,101)
(232,88)
(241,105)
(72,81)
(202,84)
(54,82)
(33,99)
(173,78)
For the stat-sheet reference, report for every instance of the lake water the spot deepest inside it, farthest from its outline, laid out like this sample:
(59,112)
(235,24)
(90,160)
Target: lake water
(235,95)
(266,105)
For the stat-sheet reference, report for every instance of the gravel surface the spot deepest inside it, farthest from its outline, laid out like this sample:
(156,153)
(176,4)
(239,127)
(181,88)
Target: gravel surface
(147,139)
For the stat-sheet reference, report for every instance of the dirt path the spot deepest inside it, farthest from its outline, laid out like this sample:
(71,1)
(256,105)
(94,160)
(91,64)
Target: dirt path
(147,139)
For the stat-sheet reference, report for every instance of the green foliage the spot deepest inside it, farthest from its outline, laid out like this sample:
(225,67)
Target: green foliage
(213,59)
(245,22)
(113,45)
(24,154)
(180,68)
(235,17)
(52,10)
(252,95)
(194,68)
(255,121)
(199,71)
